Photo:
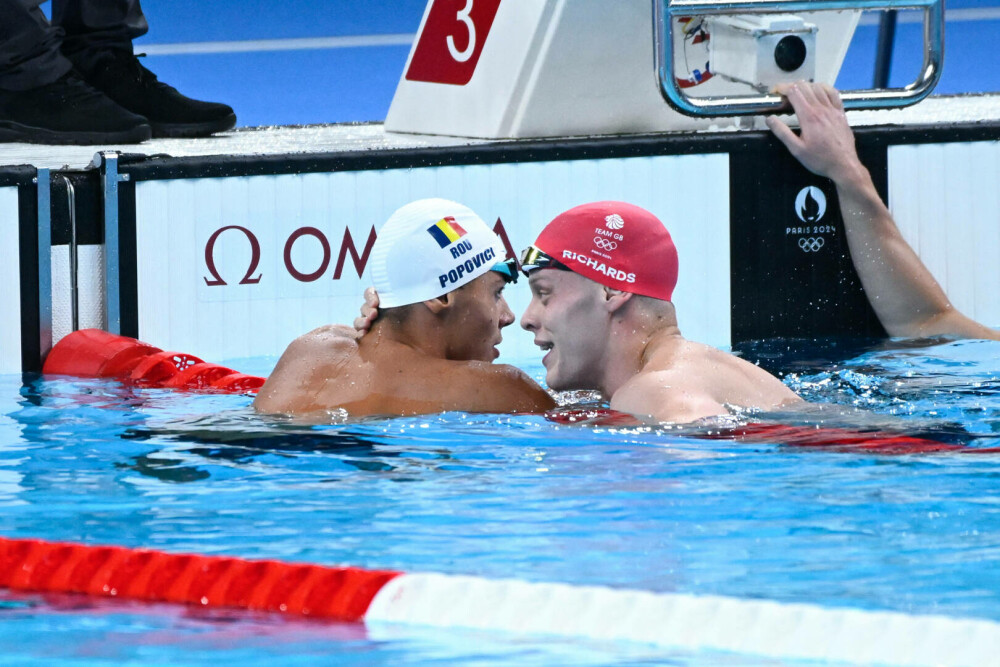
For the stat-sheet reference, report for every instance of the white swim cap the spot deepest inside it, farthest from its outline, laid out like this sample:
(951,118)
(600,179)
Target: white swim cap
(428,248)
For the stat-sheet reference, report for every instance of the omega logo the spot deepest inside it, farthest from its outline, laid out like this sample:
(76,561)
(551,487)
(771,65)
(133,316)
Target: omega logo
(210,257)
(301,274)
(347,245)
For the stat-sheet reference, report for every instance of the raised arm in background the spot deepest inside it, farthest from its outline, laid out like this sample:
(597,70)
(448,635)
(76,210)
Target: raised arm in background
(907,299)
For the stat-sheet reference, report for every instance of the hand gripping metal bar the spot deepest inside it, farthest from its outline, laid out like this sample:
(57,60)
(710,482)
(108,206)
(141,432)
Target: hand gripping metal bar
(667,11)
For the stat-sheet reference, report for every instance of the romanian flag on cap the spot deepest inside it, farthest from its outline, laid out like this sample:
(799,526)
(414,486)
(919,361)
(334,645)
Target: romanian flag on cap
(446,231)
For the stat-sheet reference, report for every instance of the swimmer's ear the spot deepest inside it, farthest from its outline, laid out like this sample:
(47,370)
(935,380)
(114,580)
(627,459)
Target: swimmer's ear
(440,304)
(615,299)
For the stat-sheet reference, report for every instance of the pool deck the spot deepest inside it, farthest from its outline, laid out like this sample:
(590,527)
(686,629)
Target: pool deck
(356,137)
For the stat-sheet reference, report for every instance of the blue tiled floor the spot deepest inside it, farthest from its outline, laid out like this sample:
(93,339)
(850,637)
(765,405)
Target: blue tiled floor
(333,85)
(197,21)
(972,55)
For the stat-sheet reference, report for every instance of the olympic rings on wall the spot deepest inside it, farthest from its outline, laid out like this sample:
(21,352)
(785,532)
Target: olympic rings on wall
(811,243)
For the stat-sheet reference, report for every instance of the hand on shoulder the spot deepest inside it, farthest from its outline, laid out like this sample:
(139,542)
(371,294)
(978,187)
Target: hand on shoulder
(369,311)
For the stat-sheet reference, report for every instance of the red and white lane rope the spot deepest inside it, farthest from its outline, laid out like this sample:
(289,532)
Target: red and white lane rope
(92,353)
(692,622)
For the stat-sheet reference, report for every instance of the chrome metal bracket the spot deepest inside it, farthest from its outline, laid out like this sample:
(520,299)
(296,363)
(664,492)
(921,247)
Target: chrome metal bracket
(108,164)
(667,11)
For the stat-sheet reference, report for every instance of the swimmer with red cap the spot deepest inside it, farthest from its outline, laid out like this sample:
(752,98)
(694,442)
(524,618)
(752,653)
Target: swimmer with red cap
(440,271)
(602,277)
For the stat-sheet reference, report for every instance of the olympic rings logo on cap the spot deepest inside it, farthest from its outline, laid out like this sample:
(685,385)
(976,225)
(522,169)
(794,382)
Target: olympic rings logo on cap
(604,244)
(811,244)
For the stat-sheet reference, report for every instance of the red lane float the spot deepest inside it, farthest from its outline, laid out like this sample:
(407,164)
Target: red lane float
(96,353)
(340,593)
(835,439)
(592,417)
(842,439)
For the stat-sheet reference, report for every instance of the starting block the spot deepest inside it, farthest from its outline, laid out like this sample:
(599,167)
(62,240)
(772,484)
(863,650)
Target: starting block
(500,69)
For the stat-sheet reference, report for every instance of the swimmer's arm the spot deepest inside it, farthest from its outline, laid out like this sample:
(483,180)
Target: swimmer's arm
(904,295)
(501,388)
(654,397)
(304,367)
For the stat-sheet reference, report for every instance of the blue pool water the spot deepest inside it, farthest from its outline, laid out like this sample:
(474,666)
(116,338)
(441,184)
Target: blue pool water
(507,496)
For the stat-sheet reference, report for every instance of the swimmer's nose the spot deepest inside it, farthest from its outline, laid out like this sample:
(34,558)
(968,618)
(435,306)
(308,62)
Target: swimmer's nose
(528,321)
(506,314)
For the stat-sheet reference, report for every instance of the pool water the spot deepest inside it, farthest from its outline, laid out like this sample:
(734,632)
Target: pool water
(501,496)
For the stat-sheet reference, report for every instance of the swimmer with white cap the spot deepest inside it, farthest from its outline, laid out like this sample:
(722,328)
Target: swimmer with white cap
(440,272)
(606,322)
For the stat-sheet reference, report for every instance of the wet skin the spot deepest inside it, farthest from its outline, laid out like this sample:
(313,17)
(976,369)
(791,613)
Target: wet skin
(477,318)
(437,359)
(630,349)
(568,317)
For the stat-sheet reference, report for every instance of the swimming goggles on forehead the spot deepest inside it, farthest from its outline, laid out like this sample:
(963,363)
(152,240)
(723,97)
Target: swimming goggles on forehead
(507,270)
(533,259)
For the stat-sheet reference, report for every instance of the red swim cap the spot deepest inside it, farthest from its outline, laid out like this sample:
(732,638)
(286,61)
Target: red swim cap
(615,244)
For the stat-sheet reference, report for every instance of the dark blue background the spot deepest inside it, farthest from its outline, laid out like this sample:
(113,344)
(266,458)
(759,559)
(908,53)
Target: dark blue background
(352,84)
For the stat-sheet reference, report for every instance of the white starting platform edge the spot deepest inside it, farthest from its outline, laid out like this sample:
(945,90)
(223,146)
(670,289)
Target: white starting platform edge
(364,137)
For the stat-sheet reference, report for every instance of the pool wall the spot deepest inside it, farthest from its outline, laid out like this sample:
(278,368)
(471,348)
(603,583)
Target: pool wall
(25,294)
(10,267)
(946,200)
(233,255)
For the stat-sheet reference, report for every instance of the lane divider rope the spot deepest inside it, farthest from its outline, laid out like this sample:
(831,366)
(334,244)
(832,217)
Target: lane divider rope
(92,353)
(341,593)
(690,622)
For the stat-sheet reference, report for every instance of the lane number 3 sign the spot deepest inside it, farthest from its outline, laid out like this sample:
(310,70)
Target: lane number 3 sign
(452,41)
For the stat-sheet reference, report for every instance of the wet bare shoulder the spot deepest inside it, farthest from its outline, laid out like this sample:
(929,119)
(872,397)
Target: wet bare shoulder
(306,361)
(665,396)
(485,387)
(327,344)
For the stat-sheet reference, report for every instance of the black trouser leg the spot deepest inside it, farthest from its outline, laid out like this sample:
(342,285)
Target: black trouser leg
(95,26)
(98,42)
(29,46)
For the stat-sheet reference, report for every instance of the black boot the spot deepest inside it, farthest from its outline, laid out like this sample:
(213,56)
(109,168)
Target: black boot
(119,75)
(67,111)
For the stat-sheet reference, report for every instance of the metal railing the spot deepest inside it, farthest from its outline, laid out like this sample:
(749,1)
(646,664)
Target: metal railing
(667,11)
